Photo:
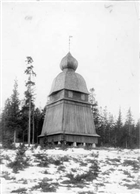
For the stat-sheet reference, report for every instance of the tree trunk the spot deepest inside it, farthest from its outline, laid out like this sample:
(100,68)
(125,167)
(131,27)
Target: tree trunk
(115,138)
(29,129)
(14,137)
(33,136)
(23,137)
(109,137)
(126,143)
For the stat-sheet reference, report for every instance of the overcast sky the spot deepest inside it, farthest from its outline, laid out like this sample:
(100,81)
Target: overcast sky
(105,44)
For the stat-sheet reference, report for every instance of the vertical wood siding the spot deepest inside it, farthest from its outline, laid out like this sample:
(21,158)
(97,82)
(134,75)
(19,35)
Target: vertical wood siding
(53,119)
(69,119)
(78,118)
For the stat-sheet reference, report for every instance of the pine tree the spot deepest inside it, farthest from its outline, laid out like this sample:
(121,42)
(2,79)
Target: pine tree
(24,120)
(29,96)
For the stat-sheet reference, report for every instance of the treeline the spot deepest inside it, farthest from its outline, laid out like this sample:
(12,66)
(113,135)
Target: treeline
(116,133)
(22,121)
(14,123)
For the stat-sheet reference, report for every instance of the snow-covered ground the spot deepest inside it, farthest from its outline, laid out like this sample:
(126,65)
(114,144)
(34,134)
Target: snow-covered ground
(74,170)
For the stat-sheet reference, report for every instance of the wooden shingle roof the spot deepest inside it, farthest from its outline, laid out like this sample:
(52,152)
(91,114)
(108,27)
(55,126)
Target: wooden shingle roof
(68,79)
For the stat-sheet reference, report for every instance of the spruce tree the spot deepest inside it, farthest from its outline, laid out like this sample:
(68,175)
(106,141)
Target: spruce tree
(128,129)
(7,139)
(110,126)
(105,126)
(137,134)
(10,120)
(15,117)
(38,120)
(100,128)
(94,107)
(118,130)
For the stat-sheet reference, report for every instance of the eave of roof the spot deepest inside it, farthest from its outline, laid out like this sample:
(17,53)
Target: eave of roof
(69,80)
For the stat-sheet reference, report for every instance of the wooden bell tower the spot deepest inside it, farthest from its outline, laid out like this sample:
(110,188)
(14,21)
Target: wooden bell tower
(68,115)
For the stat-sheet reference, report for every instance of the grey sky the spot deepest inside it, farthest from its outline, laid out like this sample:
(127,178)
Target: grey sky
(105,43)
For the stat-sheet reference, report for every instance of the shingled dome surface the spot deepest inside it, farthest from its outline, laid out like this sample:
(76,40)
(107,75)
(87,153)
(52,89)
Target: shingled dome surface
(68,79)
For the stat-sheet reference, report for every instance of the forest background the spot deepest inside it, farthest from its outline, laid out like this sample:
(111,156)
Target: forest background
(21,121)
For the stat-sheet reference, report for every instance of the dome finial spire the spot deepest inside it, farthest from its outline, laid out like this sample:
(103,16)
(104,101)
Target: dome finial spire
(69,42)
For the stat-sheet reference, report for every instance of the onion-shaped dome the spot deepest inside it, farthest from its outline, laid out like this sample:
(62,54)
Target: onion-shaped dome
(68,79)
(68,62)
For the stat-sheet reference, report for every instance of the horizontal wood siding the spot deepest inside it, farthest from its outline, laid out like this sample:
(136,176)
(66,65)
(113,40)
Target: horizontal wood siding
(56,96)
(76,96)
